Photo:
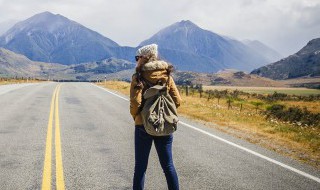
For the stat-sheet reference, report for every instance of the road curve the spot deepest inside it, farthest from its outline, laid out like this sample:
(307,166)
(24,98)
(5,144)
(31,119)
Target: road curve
(95,131)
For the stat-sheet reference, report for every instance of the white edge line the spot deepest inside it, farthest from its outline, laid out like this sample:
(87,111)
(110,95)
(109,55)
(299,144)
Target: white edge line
(254,153)
(235,145)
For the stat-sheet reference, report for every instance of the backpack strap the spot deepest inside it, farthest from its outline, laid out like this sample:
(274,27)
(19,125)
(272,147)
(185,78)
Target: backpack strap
(149,84)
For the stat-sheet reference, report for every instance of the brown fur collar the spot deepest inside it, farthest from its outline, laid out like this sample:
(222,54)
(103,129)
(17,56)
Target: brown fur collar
(155,65)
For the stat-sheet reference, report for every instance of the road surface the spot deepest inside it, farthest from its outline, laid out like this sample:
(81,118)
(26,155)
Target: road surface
(79,136)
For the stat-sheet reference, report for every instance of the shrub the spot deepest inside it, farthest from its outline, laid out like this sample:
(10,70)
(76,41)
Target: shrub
(293,115)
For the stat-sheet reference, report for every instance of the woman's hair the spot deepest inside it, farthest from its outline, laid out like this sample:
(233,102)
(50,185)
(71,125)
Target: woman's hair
(144,61)
(170,69)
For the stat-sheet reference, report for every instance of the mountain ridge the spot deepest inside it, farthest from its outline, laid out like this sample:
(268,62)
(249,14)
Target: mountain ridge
(306,62)
(187,37)
(54,38)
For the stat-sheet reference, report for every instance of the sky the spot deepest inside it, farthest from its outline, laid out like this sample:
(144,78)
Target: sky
(284,25)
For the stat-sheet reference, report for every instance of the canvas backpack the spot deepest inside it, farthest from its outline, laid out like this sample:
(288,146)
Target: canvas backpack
(159,112)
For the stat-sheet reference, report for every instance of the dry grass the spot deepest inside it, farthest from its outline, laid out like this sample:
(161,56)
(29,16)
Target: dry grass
(299,142)
(266,90)
(119,86)
(311,106)
(300,80)
(16,81)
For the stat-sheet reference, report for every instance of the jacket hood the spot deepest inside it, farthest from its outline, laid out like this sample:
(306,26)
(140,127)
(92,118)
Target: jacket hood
(155,65)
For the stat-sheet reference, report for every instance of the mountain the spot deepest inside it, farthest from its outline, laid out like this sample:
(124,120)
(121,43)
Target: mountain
(186,61)
(271,54)
(53,38)
(206,48)
(305,62)
(15,65)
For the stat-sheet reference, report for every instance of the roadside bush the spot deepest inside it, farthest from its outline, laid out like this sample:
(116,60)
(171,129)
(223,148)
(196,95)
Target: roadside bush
(257,105)
(293,115)
(286,97)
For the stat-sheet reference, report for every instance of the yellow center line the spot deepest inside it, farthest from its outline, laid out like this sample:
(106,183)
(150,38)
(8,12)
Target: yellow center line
(46,178)
(59,167)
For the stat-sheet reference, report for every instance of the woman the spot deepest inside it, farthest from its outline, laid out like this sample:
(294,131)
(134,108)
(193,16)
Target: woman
(150,68)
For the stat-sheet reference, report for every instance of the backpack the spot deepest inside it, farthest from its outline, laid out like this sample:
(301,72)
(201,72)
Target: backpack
(159,112)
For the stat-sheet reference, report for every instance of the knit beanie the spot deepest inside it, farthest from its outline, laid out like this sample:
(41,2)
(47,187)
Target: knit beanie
(148,50)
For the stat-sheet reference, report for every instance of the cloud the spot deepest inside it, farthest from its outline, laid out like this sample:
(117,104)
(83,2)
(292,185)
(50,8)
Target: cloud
(284,25)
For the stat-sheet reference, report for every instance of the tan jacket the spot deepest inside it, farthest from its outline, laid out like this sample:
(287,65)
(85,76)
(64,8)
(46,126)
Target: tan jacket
(153,72)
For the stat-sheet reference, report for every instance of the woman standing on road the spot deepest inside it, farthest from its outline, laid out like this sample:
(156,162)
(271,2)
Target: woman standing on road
(150,68)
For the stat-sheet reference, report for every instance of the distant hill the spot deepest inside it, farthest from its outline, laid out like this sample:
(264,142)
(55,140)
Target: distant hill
(16,65)
(56,39)
(225,78)
(209,51)
(304,63)
(12,65)
(94,70)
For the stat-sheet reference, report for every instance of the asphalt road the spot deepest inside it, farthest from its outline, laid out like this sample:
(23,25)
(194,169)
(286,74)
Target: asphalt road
(91,146)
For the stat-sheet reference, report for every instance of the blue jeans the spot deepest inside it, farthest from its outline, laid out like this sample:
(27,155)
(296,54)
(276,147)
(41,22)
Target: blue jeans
(143,143)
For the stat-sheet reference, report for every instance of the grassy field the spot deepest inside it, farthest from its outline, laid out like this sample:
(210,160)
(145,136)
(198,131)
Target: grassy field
(245,120)
(267,90)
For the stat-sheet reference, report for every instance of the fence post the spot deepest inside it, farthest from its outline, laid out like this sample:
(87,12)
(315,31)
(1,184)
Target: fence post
(229,103)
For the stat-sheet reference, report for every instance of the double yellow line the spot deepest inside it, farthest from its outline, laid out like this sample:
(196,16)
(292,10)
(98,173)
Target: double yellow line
(54,115)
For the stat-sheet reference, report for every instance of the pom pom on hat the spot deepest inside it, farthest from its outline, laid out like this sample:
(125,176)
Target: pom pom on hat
(148,50)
